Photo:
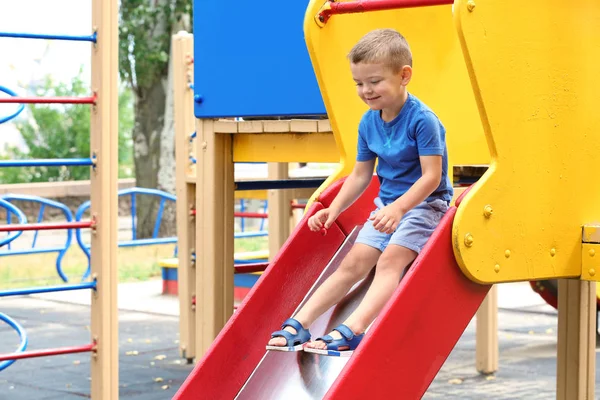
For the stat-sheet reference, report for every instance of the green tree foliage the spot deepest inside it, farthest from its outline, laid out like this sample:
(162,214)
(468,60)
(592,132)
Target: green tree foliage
(63,131)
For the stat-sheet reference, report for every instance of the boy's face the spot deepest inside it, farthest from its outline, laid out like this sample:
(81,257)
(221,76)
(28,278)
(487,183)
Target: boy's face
(379,86)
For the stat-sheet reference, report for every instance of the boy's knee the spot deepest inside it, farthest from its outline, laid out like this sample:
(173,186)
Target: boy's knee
(355,267)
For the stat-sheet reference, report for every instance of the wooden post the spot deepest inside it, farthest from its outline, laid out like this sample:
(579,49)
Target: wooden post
(183,50)
(103,209)
(486,342)
(279,210)
(576,350)
(214,233)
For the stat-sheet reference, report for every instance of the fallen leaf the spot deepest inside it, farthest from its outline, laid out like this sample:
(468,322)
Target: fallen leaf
(531,332)
(158,379)
(148,341)
(455,381)
(164,387)
(130,340)
(549,330)
(490,378)
(132,353)
(160,357)
(76,362)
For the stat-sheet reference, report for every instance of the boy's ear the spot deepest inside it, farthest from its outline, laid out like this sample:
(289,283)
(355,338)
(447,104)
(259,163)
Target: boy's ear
(406,74)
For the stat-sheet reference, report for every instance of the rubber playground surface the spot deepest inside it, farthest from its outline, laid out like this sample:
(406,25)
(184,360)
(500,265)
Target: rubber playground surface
(150,367)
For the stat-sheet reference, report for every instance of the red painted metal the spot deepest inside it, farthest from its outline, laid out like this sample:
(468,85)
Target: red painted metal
(418,328)
(351,7)
(45,226)
(250,214)
(360,210)
(241,343)
(47,352)
(248,268)
(296,206)
(49,100)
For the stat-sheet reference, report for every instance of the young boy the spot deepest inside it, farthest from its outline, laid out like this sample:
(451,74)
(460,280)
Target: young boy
(408,140)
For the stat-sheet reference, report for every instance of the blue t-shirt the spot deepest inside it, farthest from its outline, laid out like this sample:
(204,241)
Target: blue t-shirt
(415,132)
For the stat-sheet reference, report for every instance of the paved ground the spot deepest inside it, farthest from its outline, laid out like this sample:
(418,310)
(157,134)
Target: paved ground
(150,367)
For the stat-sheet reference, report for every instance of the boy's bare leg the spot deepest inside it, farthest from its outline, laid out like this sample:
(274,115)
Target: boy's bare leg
(387,275)
(355,266)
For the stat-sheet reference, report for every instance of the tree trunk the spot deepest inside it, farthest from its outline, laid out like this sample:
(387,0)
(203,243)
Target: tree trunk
(153,138)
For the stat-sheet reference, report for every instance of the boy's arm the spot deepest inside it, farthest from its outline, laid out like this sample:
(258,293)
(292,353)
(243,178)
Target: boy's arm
(431,167)
(356,183)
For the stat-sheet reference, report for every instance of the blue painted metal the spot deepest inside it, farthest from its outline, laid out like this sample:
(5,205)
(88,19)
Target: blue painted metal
(21,219)
(252,261)
(262,220)
(133,192)
(20,108)
(48,289)
(250,59)
(56,162)
(242,235)
(243,220)
(22,35)
(19,252)
(69,232)
(22,336)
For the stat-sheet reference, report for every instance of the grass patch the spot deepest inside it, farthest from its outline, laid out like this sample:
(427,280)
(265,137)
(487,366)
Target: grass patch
(134,263)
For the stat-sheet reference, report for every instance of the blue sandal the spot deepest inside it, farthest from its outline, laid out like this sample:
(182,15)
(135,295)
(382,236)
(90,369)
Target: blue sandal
(294,342)
(349,340)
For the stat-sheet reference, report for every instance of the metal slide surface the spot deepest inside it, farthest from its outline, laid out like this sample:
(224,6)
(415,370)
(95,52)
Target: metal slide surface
(301,375)
(402,352)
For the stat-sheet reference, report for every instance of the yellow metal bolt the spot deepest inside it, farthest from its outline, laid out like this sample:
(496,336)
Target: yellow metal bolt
(497,268)
(468,240)
(507,253)
(470,5)
(553,252)
(204,145)
(592,253)
(592,272)
(487,211)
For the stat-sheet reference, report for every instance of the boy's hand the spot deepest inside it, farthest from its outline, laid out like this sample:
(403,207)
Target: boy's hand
(322,219)
(386,220)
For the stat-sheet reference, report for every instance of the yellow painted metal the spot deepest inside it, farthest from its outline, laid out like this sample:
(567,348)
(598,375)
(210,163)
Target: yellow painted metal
(440,77)
(590,262)
(284,147)
(533,66)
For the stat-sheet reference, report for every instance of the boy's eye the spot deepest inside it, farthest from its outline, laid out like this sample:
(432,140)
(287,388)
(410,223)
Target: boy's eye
(358,84)
(375,82)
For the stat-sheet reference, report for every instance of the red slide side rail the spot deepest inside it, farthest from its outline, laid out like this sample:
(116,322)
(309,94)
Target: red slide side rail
(418,328)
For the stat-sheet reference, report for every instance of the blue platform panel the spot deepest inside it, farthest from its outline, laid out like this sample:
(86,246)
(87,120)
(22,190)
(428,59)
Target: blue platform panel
(250,60)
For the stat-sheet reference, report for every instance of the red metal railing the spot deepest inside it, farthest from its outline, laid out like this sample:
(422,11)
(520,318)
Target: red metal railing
(351,7)
(48,100)
(46,226)
(47,352)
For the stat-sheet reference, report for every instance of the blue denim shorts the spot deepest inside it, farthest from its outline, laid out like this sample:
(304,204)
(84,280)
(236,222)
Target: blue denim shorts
(415,228)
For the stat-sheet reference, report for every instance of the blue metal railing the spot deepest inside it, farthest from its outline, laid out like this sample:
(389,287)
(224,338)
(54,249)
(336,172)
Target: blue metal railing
(11,209)
(133,192)
(22,336)
(19,109)
(32,250)
(20,35)
(48,289)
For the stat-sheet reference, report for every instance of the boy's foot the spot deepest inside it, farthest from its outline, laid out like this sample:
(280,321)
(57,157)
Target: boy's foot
(280,341)
(291,337)
(321,345)
(341,342)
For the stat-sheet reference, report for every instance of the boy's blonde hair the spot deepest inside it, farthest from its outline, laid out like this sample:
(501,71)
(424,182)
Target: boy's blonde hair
(386,46)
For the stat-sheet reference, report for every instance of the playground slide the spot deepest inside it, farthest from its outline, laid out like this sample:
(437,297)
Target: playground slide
(400,356)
